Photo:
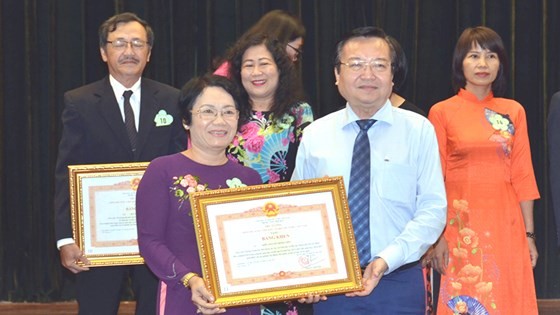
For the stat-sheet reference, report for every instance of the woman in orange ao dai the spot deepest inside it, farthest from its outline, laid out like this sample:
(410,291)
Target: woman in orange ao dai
(487,251)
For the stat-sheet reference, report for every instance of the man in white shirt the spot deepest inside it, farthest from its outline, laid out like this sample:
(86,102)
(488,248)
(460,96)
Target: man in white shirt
(407,203)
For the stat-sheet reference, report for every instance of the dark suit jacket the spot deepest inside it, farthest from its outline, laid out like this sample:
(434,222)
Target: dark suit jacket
(554,156)
(94,132)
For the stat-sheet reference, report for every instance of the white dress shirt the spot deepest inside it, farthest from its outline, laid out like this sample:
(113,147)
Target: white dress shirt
(134,98)
(408,203)
(118,89)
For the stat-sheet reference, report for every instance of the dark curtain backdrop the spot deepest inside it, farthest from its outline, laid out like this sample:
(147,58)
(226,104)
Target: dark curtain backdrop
(50,46)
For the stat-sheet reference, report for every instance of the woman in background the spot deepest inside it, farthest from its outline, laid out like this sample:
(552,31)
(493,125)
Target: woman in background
(488,250)
(268,142)
(400,69)
(287,29)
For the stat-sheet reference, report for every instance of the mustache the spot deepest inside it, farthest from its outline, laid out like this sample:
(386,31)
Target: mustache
(129,58)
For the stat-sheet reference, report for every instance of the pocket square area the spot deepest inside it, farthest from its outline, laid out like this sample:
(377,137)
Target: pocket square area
(163,118)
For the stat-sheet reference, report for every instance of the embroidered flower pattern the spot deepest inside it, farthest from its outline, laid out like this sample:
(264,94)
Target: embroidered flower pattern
(467,267)
(234,183)
(504,129)
(262,144)
(185,185)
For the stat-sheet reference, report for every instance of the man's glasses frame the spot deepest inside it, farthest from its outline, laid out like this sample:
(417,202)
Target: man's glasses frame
(120,43)
(376,65)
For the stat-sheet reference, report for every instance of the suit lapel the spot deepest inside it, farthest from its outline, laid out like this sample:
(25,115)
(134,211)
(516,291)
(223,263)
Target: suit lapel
(112,114)
(149,106)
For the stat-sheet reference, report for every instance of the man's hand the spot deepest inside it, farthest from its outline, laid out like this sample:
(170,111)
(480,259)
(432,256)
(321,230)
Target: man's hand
(438,256)
(372,275)
(70,255)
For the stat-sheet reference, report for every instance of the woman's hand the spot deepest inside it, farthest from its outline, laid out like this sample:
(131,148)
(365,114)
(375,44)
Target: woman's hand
(528,221)
(533,251)
(312,299)
(201,298)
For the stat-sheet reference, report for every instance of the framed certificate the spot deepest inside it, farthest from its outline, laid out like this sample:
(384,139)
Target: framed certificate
(276,242)
(103,207)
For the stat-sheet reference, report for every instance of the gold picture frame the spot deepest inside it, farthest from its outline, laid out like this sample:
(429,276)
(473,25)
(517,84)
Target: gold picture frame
(276,242)
(103,212)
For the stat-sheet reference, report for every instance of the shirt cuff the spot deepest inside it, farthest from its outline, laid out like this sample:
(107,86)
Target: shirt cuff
(64,241)
(392,256)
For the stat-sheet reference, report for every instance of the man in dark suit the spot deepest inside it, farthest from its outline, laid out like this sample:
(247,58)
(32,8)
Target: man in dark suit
(121,118)
(554,156)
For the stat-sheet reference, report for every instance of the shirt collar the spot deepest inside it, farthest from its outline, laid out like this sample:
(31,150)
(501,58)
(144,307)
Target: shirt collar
(119,89)
(471,97)
(384,114)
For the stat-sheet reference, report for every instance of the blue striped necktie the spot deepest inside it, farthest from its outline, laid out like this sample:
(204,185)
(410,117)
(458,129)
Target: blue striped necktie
(359,191)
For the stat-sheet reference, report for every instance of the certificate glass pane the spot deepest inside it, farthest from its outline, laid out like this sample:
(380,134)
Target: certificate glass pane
(276,241)
(103,209)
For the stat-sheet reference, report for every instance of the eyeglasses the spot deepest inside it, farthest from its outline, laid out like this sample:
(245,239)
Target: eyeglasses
(211,113)
(297,50)
(122,44)
(376,65)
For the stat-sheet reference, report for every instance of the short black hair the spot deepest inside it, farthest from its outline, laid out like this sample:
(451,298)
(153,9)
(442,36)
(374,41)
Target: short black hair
(110,25)
(487,38)
(364,31)
(195,86)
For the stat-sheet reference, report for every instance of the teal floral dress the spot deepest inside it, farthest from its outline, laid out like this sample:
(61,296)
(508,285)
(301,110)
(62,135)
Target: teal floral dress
(269,145)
